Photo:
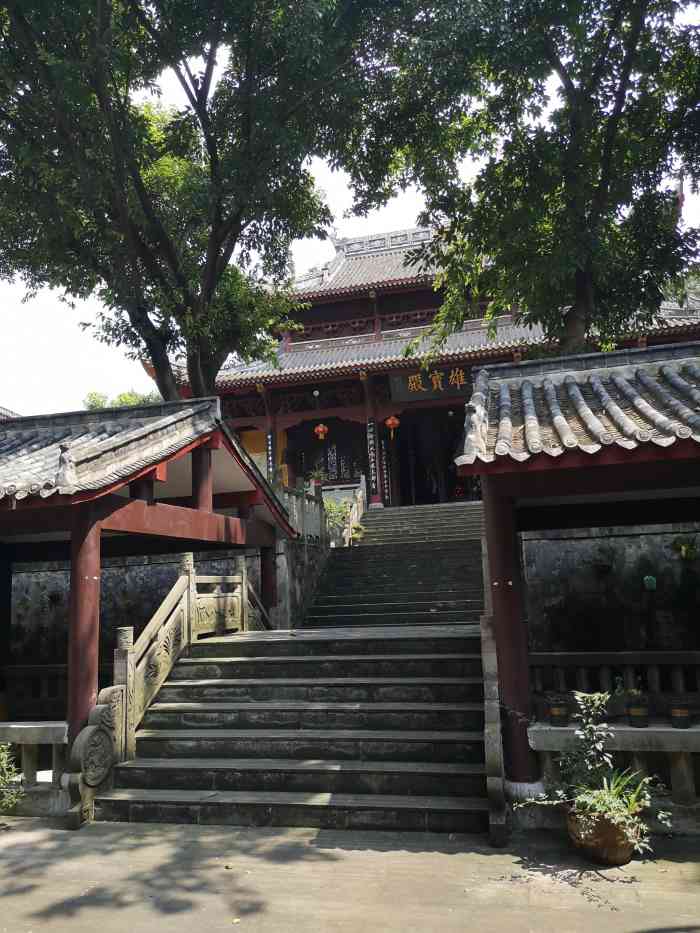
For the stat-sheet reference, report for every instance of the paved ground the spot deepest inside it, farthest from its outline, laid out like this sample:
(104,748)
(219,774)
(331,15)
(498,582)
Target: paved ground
(118,877)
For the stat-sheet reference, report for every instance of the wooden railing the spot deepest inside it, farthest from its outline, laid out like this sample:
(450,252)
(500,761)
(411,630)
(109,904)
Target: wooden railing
(359,507)
(665,675)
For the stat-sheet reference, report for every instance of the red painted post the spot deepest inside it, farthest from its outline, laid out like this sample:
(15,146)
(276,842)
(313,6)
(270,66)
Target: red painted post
(84,624)
(202,479)
(5,622)
(268,577)
(143,488)
(505,588)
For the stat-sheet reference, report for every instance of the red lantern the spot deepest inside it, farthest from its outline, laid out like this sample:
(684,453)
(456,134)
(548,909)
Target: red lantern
(392,422)
(321,430)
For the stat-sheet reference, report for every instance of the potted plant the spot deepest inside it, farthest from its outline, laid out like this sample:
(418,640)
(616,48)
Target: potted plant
(604,807)
(357,533)
(637,705)
(680,714)
(558,709)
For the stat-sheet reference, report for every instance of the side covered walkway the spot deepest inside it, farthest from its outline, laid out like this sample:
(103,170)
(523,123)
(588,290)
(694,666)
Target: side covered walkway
(151,479)
(584,441)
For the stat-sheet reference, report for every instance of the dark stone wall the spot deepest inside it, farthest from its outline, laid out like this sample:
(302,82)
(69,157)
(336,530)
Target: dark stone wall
(131,591)
(586,588)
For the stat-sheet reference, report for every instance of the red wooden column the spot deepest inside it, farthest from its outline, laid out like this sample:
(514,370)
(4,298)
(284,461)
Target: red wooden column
(84,620)
(202,479)
(268,577)
(5,618)
(505,588)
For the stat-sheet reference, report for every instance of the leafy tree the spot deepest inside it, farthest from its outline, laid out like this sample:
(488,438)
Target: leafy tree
(95,401)
(180,221)
(577,114)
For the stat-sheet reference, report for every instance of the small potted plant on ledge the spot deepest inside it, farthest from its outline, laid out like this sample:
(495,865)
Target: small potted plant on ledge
(637,704)
(604,807)
(680,714)
(558,709)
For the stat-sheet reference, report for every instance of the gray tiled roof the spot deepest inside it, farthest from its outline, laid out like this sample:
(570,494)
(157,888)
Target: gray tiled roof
(344,355)
(629,398)
(348,355)
(366,262)
(5,413)
(90,450)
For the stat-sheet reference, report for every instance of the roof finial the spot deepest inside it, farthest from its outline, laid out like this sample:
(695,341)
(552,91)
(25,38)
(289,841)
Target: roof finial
(66,475)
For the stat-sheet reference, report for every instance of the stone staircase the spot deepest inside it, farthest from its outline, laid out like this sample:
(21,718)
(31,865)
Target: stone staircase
(370,716)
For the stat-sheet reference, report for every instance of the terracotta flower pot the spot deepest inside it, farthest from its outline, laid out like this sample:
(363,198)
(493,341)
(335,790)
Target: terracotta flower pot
(558,714)
(680,717)
(638,714)
(605,844)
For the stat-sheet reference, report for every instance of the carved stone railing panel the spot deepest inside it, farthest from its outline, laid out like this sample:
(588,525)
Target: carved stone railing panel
(97,748)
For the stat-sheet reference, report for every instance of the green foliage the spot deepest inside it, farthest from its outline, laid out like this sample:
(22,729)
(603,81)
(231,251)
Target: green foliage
(10,787)
(179,219)
(94,401)
(337,513)
(589,785)
(574,116)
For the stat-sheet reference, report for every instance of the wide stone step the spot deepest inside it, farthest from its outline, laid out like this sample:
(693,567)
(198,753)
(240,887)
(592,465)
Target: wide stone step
(275,774)
(348,744)
(387,618)
(337,641)
(390,594)
(423,665)
(290,714)
(323,810)
(330,690)
(360,606)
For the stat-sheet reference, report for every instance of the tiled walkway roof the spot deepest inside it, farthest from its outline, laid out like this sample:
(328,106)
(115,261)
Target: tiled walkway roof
(90,450)
(629,398)
(366,262)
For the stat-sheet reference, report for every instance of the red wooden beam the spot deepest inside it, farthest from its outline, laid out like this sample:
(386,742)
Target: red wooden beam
(134,516)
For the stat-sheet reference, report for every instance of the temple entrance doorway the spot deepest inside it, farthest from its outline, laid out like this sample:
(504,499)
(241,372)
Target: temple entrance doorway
(422,455)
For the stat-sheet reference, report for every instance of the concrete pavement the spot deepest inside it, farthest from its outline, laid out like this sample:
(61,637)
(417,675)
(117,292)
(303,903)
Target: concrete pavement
(137,878)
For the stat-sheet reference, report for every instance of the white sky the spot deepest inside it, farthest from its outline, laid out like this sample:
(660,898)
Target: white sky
(49,364)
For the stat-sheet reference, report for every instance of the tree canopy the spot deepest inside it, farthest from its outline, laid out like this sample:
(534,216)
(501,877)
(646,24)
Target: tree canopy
(576,116)
(179,220)
(96,401)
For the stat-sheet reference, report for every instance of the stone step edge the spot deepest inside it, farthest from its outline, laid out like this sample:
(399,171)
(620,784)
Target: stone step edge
(303,706)
(301,799)
(393,735)
(324,681)
(303,765)
(274,636)
(311,658)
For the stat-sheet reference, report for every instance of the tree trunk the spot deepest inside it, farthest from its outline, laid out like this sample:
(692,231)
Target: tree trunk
(163,373)
(579,316)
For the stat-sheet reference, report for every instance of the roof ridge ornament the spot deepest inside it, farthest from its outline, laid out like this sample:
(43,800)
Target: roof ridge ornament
(66,476)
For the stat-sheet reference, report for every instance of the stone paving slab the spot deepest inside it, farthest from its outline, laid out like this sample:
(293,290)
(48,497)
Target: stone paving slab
(123,877)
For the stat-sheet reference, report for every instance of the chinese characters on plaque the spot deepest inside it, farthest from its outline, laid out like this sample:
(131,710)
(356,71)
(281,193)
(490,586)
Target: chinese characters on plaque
(431,383)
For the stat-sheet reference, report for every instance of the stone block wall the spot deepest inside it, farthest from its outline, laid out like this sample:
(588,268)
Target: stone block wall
(586,588)
(131,590)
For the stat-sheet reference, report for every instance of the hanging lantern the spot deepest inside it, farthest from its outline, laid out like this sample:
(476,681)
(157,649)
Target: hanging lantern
(392,422)
(321,430)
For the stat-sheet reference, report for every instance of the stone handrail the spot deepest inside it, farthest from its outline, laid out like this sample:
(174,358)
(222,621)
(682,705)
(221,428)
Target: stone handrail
(359,507)
(29,736)
(255,603)
(665,675)
(306,512)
